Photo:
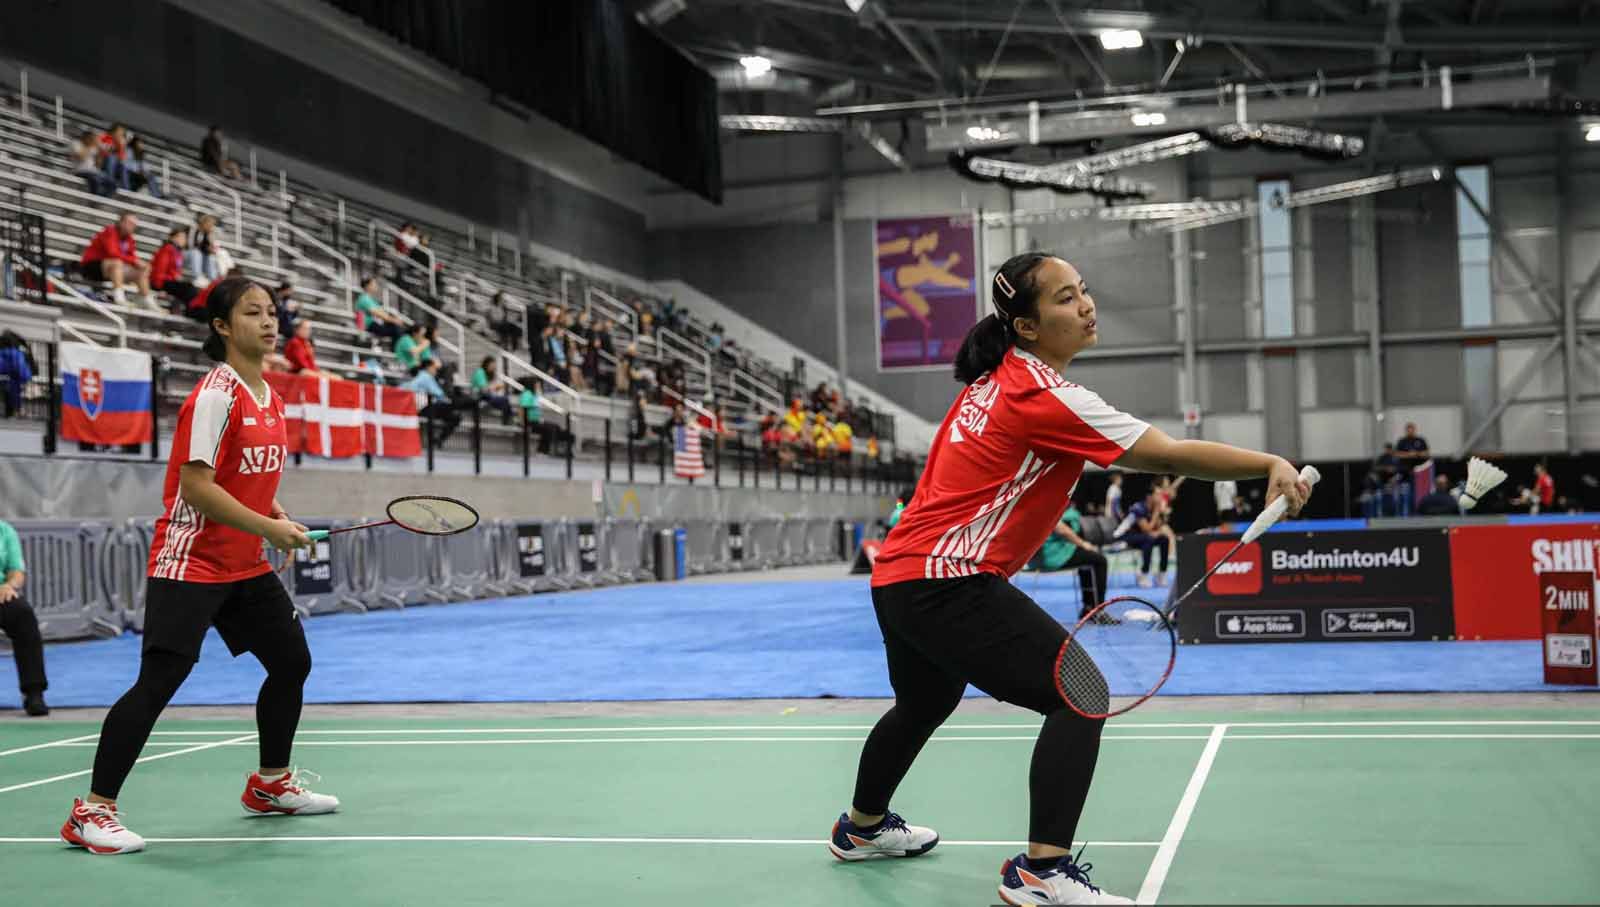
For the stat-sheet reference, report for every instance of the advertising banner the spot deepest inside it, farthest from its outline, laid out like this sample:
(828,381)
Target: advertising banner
(927,290)
(1496,571)
(1334,587)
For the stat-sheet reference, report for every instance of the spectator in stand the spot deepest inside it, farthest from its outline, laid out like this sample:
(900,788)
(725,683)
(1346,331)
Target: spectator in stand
(112,257)
(795,418)
(300,352)
(1412,448)
(490,389)
(843,438)
(288,309)
(1114,497)
(87,163)
(501,323)
(1166,490)
(204,245)
(537,318)
(114,155)
(436,406)
(1223,492)
(1382,495)
(166,271)
(17,622)
(1439,501)
(372,317)
(638,423)
(16,370)
(1542,496)
(556,343)
(214,154)
(575,361)
(141,175)
(413,348)
(1142,530)
(1066,549)
(623,384)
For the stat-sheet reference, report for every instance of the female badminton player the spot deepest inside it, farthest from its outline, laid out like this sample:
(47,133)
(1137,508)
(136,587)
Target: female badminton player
(1008,453)
(207,569)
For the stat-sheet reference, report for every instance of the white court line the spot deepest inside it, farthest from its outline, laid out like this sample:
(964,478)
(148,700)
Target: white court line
(43,746)
(544,839)
(1414,736)
(537,741)
(191,749)
(1157,874)
(640,729)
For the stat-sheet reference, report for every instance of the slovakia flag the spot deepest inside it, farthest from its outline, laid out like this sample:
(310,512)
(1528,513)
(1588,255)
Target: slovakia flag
(105,395)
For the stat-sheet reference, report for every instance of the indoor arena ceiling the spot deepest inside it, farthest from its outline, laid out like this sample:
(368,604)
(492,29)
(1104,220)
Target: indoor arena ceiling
(975,74)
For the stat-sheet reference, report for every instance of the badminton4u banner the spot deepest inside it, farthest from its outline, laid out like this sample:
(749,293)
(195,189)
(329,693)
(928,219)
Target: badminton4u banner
(1332,586)
(331,417)
(105,395)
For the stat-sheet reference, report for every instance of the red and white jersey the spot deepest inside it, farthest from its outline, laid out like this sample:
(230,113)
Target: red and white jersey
(224,426)
(1000,472)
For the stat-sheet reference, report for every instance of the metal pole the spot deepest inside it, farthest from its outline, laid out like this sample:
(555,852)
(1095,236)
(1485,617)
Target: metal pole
(571,443)
(274,245)
(477,441)
(254,183)
(52,405)
(494,247)
(1569,305)
(739,456)
(661,451)
(427,434)
(23,94)
(608,445)
(155,408)
(472,239)
(840,332)
(339,227)
(716,461)
(630,455)
(527,429)
(61,126)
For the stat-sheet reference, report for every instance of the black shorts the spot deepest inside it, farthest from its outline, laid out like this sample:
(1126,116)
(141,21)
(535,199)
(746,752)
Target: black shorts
(247,613)
(94,271)
(940,633)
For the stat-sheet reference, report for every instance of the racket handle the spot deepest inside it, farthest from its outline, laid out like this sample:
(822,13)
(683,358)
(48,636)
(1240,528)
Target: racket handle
(1275,511)
(317,535)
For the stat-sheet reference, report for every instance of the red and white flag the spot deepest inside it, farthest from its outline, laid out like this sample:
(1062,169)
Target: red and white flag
(392,429)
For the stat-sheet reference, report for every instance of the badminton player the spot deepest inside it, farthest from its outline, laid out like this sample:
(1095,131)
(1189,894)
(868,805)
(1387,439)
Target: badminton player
(207,569)
(1009,452)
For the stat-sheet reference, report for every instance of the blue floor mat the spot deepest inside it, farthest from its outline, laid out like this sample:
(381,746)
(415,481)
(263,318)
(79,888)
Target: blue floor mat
(724,641)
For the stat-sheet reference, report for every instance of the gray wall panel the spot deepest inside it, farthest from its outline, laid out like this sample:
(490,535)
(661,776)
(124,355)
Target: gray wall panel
(1417,274)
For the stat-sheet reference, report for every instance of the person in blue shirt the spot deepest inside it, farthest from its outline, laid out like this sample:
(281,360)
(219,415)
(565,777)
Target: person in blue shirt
(1141,529)
(438,407)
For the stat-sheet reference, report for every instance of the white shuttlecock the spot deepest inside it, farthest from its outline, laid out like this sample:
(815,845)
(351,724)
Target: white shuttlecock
(1482,477)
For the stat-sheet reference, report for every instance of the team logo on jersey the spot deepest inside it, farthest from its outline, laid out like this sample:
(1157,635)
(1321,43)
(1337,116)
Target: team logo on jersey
(259,460)
(91,391)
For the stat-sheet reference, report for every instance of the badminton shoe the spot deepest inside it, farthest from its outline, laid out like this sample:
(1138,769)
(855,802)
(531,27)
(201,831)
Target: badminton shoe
(95,828)
(1065,883)
(891,838)
(285,796)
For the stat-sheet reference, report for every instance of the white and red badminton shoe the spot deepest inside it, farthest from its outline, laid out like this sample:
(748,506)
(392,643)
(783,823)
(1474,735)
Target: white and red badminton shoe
(96,828)
(285,796)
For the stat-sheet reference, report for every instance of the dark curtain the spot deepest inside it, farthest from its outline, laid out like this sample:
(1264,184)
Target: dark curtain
(585,64)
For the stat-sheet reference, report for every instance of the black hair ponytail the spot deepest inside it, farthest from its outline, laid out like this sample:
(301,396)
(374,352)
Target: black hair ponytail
(1013,294)
(220,302)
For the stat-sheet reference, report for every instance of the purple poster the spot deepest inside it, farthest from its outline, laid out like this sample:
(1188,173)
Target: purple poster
(926,292)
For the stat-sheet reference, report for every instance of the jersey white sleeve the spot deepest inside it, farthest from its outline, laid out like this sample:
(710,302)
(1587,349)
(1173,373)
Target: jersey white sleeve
(208,424)
(1082,424)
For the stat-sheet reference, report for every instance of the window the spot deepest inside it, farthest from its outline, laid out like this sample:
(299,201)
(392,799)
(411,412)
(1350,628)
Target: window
(1277,259)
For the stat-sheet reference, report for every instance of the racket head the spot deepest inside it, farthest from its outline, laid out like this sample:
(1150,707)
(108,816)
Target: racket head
(1124,647)
(432,515)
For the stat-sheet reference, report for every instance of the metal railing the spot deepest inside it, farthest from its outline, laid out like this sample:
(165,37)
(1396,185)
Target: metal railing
(305,236)
(682,349)
(612,308)
(755,390)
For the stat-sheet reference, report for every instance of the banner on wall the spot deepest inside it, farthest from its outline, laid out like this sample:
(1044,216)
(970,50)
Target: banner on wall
(330,417)
(1499,571)
(1304,586)
(927,290)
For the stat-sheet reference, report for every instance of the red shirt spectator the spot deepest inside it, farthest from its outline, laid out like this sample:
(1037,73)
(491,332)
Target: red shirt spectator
(111,243)
(1545,488)
(299,352)
(166,266)
(115,142)
(197,305)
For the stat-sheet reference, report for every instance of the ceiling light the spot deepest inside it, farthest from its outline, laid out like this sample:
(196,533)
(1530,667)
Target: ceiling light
(855,5)
(755,65)
(1592,134)
(982,133)
(1141,118)
(1121,39)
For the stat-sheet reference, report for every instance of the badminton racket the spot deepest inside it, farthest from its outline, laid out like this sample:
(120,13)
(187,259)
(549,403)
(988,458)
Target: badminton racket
(425,514)
(1128,646)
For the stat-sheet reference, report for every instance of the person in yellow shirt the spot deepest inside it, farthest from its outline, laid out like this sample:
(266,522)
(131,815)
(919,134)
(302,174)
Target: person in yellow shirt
(843,437)
(822,435)
(795,418)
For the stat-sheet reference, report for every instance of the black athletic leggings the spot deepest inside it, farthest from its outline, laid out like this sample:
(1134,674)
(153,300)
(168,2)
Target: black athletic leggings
(127,726)
(942,634)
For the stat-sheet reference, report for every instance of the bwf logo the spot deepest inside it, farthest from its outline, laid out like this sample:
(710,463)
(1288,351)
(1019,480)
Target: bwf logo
(1239,576)
(258,460)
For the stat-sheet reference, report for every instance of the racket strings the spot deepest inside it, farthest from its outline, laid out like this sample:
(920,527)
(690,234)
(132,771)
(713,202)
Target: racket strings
(1124,648)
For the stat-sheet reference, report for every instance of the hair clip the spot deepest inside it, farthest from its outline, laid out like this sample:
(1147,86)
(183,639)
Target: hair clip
(1004,285)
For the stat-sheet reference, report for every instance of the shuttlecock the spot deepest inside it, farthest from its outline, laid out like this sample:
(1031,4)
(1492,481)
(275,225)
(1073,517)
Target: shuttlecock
(1482,477)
